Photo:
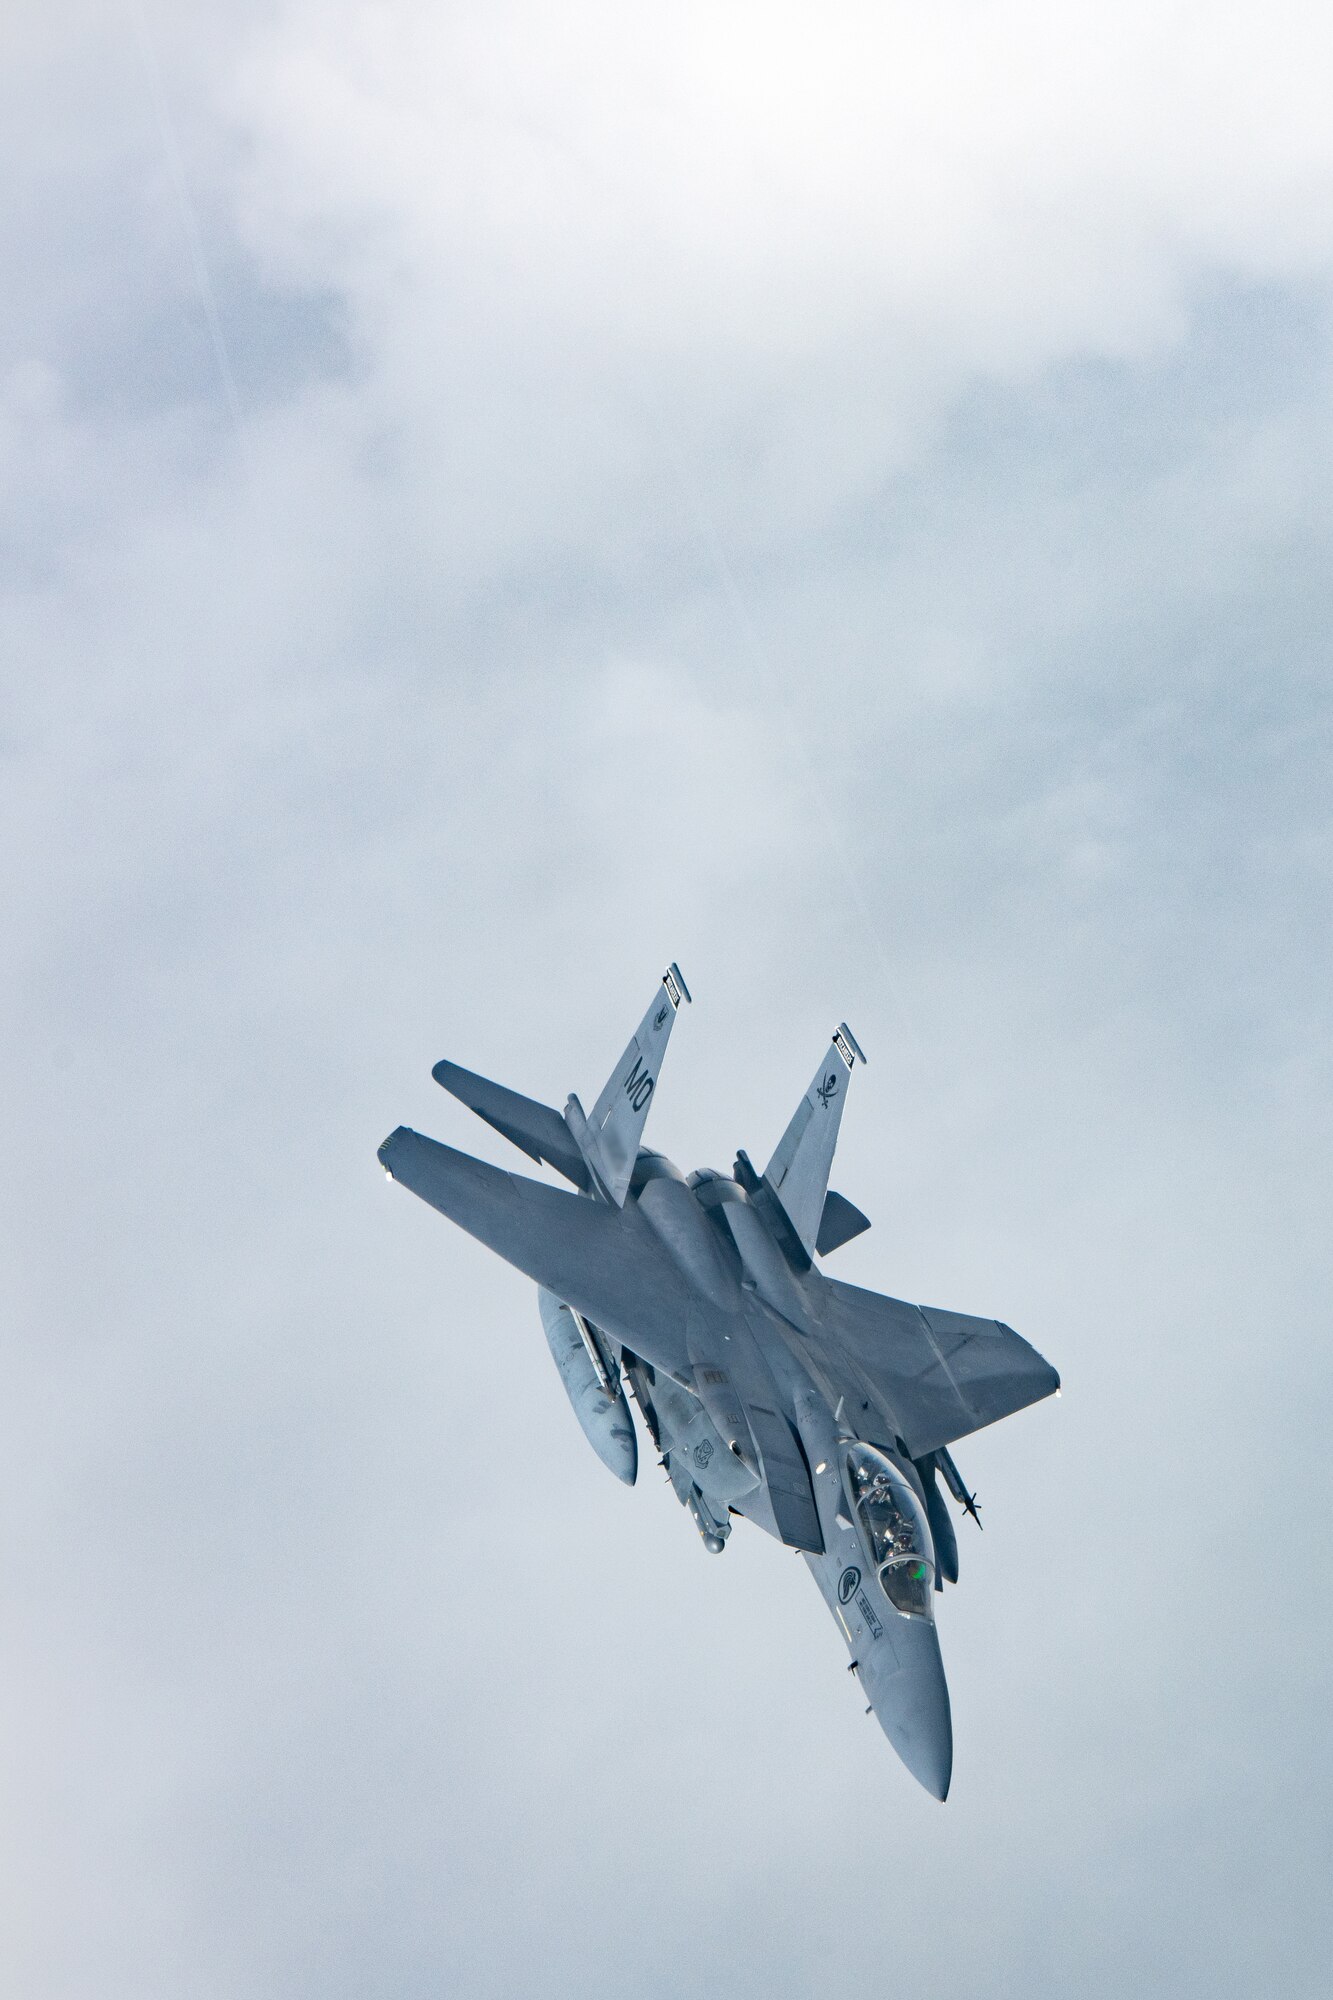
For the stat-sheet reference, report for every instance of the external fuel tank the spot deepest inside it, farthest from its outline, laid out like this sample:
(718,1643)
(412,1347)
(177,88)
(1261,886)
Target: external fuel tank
(592,1383)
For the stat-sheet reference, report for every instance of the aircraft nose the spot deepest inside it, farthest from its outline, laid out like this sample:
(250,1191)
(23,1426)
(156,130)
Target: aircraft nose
(911,1703)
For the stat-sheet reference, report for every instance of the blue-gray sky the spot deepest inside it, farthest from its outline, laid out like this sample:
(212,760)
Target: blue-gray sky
(497,497)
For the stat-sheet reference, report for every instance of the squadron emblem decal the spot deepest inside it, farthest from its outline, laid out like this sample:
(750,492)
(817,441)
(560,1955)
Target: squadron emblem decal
(848,1584)
(827,1089)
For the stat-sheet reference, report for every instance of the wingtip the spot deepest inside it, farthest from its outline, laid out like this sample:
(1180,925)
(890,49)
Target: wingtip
(384,1151)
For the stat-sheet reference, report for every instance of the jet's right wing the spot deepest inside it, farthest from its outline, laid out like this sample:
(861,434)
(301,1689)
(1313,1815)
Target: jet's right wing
(604,1262)
(943,1374)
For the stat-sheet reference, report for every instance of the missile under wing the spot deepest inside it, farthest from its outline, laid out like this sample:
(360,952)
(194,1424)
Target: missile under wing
(819,1411)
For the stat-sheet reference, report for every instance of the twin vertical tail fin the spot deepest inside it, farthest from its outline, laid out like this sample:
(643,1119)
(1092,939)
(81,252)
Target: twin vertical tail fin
(797,1175)
(608,1136)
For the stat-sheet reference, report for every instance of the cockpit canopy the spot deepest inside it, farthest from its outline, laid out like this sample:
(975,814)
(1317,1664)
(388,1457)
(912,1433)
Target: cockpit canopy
(894,1528)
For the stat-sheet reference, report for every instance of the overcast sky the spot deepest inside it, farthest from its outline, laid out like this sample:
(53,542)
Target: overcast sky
(497,497)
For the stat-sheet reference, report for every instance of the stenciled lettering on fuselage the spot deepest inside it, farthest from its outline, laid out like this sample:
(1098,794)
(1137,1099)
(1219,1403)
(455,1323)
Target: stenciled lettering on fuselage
(638,1085)
(867,1611)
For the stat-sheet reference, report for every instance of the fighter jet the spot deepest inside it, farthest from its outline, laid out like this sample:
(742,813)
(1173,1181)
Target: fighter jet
(819,1411)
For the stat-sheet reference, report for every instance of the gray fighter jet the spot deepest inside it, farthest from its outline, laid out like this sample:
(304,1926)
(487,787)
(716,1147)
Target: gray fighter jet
(819,1411)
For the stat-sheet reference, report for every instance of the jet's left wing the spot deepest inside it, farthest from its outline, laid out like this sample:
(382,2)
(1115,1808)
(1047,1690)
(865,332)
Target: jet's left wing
(943,1374)
(604,1262)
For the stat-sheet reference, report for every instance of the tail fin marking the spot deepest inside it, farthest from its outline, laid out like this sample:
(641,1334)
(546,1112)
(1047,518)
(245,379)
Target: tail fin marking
(797,1175)
(608,1136)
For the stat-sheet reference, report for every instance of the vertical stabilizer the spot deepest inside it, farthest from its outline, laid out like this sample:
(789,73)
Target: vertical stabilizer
(608,1136)
(797,1175)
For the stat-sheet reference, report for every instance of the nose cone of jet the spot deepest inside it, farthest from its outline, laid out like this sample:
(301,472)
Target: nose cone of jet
(911,1703)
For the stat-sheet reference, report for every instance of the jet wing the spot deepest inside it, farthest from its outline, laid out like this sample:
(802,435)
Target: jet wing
(604,1262)
(944,1374)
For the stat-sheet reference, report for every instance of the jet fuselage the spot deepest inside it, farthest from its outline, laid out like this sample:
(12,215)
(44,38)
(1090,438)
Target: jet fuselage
(820,1411)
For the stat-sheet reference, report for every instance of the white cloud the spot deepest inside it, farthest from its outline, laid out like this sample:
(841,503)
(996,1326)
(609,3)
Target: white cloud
(1005,183)
(838,496)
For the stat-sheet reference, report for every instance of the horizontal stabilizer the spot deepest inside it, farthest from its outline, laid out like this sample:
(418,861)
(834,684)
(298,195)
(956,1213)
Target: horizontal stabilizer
(840,1222)
(536,1129)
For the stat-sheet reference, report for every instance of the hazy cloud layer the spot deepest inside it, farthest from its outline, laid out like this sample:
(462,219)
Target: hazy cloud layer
(493,500)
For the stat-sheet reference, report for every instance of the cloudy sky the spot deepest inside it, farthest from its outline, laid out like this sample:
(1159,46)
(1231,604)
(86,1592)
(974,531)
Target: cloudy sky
(495,497)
